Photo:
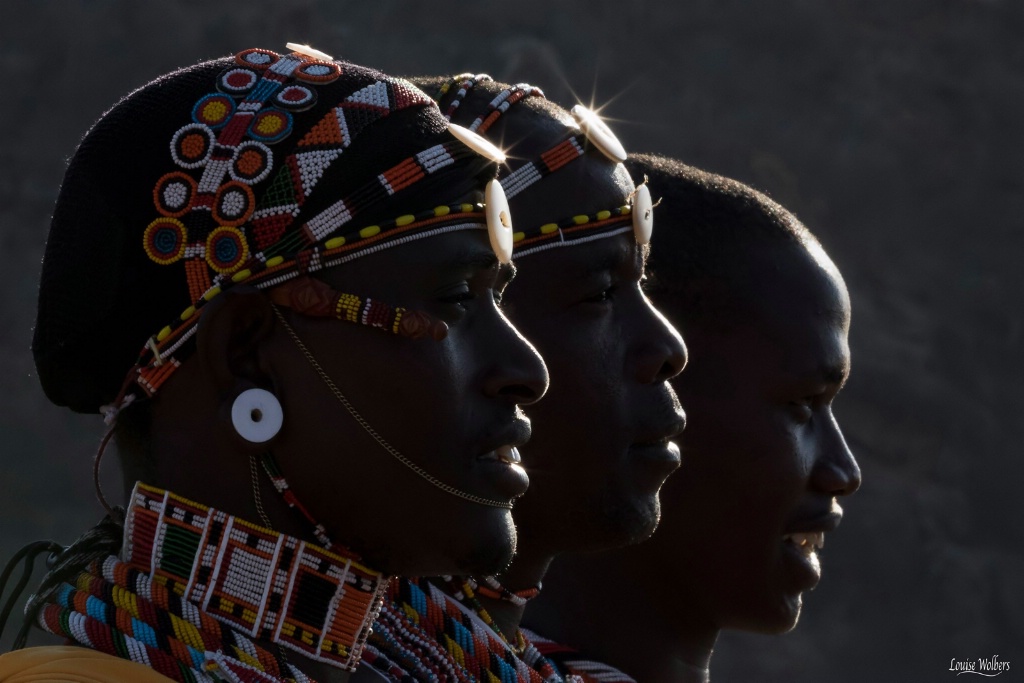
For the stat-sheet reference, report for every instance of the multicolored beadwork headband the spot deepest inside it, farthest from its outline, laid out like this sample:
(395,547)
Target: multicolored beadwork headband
(213,221)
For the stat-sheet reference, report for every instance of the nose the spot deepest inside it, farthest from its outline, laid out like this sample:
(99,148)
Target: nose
(660,353)
(836,471)
(516,372)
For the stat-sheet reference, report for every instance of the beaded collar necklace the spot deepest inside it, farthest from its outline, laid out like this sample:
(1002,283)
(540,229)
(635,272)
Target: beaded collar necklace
(430,634)
(571,662)
(195,588)
(492,588)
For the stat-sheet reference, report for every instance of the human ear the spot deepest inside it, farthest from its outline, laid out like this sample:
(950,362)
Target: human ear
(229,338)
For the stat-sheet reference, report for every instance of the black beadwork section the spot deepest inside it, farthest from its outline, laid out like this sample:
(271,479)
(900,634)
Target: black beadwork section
(180,546)
(312,599)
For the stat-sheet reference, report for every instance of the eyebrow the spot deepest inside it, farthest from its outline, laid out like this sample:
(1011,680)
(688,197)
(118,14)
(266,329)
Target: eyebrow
(612,260)
(481,260)
(834,374)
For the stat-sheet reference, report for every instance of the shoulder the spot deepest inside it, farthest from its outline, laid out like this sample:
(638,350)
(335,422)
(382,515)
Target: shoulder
(68,664)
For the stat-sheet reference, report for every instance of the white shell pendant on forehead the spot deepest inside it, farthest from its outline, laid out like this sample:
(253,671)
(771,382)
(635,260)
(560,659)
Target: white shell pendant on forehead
(499,221)
(477,143)
(599,134)
(643,215)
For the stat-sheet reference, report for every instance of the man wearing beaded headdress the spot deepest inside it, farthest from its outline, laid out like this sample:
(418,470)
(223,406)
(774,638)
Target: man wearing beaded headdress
(326,393)
(601,447)
(766,315)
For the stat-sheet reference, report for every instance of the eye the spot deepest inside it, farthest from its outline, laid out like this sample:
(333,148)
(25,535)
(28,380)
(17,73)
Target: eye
(803,408)
(459,295)
(603,297)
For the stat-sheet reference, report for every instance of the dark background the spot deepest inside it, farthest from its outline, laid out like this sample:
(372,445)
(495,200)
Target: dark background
(893,128)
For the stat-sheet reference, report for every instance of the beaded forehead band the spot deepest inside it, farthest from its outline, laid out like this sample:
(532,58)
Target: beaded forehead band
(589,128)
(223,233)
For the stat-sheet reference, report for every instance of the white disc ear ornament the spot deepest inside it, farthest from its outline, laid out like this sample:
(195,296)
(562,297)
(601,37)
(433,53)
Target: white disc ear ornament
(599,134)
(499,221)
(257,415)
(477,143)
(309,51)
(643,215)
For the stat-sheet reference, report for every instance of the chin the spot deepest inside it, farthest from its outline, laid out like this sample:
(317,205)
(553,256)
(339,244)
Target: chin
(483,543)
(491,548)
(775,619)
(628,520)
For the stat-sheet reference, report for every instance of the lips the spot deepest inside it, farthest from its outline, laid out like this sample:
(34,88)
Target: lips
(653,445)
(662,421)
(507,454)
(806,541)
(801,541)
(498,471)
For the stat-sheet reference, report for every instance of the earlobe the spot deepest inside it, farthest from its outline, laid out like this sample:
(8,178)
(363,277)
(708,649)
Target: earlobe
(229,338)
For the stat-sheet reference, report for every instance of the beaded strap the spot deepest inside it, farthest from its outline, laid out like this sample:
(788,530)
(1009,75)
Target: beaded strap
(492,588)
(466,82)
(574,230)
(548,162)
(501,103)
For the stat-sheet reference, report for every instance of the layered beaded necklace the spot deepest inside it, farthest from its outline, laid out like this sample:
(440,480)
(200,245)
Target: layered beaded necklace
(429,634)
(195,589)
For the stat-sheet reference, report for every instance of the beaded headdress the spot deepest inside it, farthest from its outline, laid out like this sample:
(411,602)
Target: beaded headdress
(236,195)
(587,132)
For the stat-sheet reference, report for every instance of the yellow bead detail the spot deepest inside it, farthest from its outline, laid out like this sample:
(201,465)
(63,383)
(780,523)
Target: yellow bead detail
(334,243)
(369,231)
(466,208)
(276,261)
(442,210)
(188,313)
(212,292)
(516,236)
(580,220)
(604,215)
(404,220)
(163,334)
(241,275)
(548,228)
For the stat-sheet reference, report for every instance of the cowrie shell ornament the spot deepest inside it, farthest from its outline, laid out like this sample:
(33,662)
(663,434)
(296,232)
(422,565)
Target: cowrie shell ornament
(643,215)
(599,134)
(477,143)
(499,221)
(309,51)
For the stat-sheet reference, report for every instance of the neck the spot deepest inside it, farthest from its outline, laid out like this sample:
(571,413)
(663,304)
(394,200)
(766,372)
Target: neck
(526,571)
(645,639)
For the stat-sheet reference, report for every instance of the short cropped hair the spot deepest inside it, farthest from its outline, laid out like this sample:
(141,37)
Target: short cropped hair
(706,227)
